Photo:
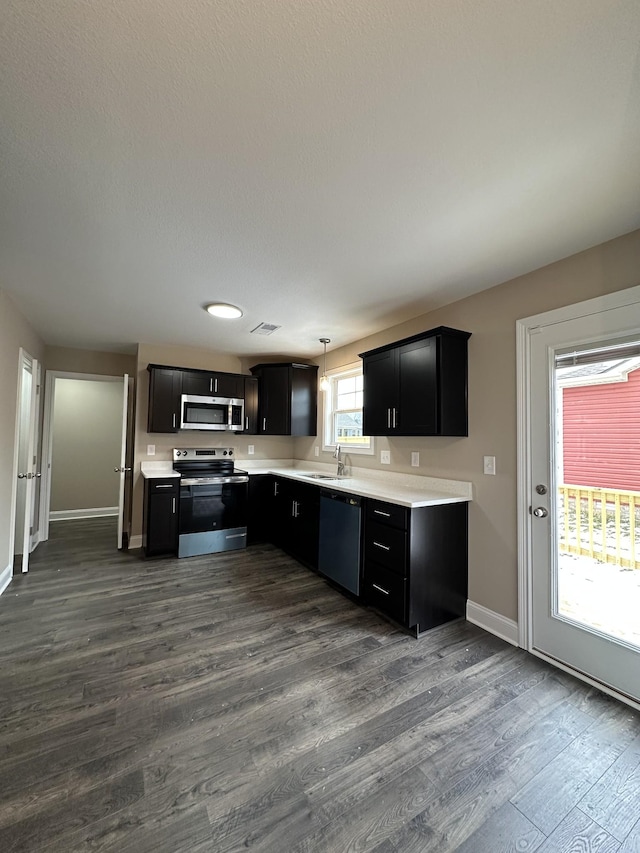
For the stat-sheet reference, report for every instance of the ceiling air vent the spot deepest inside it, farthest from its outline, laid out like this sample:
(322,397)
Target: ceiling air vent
(265,329)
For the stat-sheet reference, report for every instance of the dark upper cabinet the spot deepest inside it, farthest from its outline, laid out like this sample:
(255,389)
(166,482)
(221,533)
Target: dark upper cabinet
(288,398)
(165,388)
(206,384)
(167,384)
(417,386)
(251,405)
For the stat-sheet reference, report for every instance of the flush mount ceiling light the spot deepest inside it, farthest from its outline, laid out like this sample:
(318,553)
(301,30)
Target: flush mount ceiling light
(224,310)
(324,382)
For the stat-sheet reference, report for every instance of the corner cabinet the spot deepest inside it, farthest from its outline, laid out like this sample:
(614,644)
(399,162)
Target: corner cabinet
(415,562)
(288,398)
(417,386)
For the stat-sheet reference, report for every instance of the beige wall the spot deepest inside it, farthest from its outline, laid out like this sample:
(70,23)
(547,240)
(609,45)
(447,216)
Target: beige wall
(87,430)
(69,360)
(491,316)
(15,332)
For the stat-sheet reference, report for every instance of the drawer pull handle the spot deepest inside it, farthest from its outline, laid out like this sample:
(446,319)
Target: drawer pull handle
(380,589)
(379,545)
(380,512)
(168,486)
(235,536)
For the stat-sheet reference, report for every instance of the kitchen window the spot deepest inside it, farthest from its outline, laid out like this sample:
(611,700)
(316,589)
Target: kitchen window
(343,411)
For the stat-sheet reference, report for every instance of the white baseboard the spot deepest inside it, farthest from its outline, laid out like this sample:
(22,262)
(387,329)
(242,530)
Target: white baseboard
(5,578)
(135,541)
(493,622)
(94,512)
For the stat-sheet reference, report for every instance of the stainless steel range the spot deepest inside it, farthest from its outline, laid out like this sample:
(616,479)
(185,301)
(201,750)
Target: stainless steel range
(213,501)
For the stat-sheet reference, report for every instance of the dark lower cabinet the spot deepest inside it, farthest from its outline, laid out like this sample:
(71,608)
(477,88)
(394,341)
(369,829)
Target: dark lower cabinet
(415,562)
(160,516)
(260,519)
(296,519)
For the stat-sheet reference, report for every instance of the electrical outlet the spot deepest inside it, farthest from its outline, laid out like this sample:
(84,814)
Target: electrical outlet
(151,450)
(251,449)
(385,457)
(415,459)
(316,450)
(489,465)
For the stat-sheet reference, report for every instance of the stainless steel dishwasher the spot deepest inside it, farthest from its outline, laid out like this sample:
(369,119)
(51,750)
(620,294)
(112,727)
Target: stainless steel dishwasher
(340,529)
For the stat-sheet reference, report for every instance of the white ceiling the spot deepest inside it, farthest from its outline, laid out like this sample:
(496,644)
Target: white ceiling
(331,166)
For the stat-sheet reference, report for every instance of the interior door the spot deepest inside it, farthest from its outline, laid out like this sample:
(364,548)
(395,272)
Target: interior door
(576,600)
(124,469)
(27,474)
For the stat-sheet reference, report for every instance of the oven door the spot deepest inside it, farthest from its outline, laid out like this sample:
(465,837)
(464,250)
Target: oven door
(213,518)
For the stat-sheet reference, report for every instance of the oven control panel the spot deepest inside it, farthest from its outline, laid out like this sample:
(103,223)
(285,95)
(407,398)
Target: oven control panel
(201,454)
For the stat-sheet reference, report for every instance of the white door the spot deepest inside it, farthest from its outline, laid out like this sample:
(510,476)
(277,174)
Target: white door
(123,470)
(577,602)
(25,488)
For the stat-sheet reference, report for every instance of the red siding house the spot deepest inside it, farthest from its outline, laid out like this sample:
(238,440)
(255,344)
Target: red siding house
(601,425)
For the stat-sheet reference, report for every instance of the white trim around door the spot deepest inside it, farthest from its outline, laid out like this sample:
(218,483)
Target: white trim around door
(526,331)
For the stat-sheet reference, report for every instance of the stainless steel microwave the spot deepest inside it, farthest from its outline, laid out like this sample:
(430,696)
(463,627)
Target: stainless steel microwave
(223,413)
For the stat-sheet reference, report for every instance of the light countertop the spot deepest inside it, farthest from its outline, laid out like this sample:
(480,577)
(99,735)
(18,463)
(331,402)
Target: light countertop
(410,490)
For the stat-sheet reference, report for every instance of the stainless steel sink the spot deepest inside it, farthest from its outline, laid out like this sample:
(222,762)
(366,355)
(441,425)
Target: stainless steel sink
(319,476)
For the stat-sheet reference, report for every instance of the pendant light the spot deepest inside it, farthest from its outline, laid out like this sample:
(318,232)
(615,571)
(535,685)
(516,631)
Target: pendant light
(324,382)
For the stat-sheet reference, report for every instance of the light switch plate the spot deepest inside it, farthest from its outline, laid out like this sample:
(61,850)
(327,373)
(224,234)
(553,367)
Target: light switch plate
(415,459)
(251,449)
(316,450)
(385,457)
(489,465)
(151,450)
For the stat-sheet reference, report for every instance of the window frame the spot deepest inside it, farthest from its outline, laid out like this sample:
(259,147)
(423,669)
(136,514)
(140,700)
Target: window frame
(329,396)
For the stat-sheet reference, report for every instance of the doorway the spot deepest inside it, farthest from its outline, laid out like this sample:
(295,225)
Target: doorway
(25,461)
(87,445)
(579,575)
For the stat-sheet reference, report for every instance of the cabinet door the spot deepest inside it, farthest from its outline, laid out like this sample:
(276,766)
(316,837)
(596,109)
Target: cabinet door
(417,409)
(160,521)
(251,405)
(165,388)
(305,524)
(380,393)
(275,397)
(212,384)
(195,382)
(228,385)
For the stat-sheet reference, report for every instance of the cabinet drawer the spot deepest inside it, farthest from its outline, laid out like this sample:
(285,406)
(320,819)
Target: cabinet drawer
(386,591)
(161,485)
(387,513)
(385,545)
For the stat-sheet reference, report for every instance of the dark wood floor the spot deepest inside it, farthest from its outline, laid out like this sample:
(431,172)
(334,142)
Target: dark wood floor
(231,702)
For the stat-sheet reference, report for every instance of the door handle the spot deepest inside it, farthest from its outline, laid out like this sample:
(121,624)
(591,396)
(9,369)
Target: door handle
(380,589)
(173,506)
(22,476)
(264,425)
(380,512)
(388,418)
(173,420)
(540,512)
(122,471)
(379,545)
(395,418)
(246,423)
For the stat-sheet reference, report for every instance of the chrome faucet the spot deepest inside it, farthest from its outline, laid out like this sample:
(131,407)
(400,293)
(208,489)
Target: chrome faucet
(336,455)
